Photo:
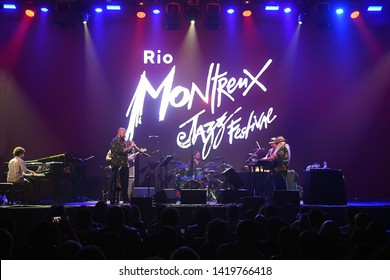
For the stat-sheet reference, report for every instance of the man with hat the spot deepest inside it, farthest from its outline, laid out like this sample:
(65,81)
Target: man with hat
(279,158)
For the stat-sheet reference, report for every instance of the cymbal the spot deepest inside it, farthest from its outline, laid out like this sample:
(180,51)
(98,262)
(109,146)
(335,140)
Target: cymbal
(210,171)
(211,164)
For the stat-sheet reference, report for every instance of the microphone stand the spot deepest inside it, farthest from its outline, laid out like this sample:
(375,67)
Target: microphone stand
(192,161)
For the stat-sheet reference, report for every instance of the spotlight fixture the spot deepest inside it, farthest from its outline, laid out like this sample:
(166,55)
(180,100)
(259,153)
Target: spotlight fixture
(156,7)
(271,6)
(193,11)
(355,14)
(303,15)
(230,7)
(246,8)
(172,13)
(140,9)
(30,13)
(9,6)
(230,11)
(30,9)
(85,18)
(355,9)
(113,7)
(213,15)
(374,8)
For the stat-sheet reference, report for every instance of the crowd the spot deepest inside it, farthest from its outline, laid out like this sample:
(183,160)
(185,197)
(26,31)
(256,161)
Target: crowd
(118,232)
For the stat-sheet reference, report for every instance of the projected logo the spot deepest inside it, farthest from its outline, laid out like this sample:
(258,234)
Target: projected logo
(218,89)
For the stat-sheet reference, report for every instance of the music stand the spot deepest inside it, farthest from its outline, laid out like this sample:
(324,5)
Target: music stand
(165,163)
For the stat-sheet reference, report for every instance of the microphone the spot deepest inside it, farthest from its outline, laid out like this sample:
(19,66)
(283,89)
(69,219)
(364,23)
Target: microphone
(153,136)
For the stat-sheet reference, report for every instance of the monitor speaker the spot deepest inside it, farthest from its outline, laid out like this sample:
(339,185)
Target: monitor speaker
(193,196)
(166,196)
(232,180)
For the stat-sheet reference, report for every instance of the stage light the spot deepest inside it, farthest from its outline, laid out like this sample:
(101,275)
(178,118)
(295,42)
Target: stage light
(271,6)
(98,10)
(287,10)
(230,11)
(246,8)
(339,11)
(303,16)
(9,6)
(113,7)
(156,7)
(374,8)
(85,18)
(355,14)
(44,9)
(140,10)
(29,12)
(230,6)
(192,11)
(156,11)
(141,14)
(172,14)
(213,16)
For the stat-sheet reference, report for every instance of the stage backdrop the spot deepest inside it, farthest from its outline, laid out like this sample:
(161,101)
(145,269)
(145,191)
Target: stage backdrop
(217,91)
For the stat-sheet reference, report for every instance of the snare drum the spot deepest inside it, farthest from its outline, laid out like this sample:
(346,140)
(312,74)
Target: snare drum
(192,184)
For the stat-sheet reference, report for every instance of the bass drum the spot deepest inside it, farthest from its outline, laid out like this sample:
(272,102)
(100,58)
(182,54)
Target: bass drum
(192,185)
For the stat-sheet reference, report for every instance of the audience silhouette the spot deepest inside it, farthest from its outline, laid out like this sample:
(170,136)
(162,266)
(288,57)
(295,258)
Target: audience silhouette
(115,232)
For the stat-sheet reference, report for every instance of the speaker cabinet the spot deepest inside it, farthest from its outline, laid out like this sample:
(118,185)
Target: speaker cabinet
(231,196)
(232,180)
(193,196)
(286,198)
(166,196)
(324,186)
(144,191)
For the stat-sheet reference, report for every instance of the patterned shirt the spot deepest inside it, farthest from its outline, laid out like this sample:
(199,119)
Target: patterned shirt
(16,169)
(118,157)
(282,159)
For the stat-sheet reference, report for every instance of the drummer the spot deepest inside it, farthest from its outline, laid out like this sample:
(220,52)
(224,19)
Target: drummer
(196,166)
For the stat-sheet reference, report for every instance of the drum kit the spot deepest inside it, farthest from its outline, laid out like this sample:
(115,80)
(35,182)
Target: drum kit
(206,177)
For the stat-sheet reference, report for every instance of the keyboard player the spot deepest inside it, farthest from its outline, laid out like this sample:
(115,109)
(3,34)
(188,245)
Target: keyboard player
(18,171)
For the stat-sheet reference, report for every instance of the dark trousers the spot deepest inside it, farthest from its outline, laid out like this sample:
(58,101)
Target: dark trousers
(280,180)
(120,174)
